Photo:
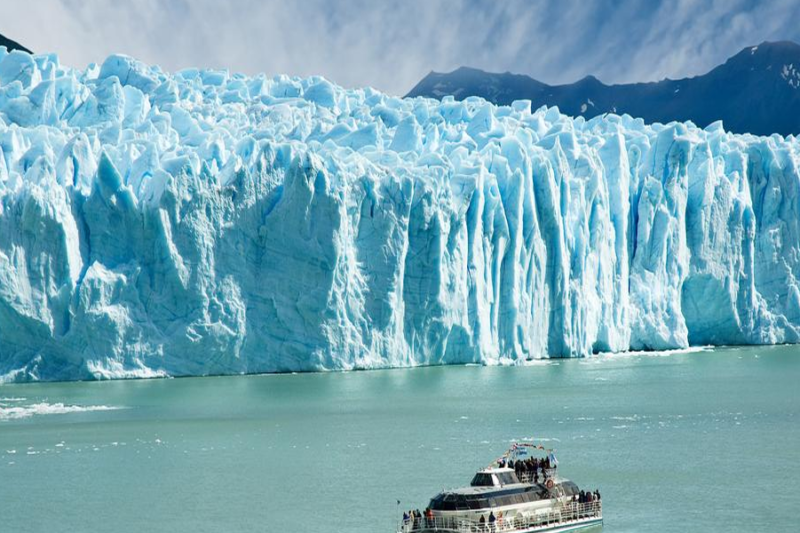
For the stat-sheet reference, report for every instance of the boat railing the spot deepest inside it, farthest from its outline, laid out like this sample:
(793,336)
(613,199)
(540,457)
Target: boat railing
(563,514)
(528,477)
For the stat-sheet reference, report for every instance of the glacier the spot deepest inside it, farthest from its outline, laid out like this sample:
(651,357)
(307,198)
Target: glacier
(202,222)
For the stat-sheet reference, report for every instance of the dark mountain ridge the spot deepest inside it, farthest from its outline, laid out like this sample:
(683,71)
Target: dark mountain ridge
(12,45)
(756,91)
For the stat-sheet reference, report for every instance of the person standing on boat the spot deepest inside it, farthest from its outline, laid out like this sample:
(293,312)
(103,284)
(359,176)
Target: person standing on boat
(428,517)
(492,520)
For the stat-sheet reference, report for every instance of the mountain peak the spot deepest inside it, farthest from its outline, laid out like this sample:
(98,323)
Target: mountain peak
(463,69)
(767,51)
(776,45)
(589,80)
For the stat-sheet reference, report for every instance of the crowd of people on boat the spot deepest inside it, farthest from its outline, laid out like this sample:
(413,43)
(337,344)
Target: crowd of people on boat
(584,504)
(491,521)
(530,468)
(587,496)
(413,519)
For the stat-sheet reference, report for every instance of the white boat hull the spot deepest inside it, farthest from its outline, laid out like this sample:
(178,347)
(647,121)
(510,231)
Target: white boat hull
(576,525)
(558,527)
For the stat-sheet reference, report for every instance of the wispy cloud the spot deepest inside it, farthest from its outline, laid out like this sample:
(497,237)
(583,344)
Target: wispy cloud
(392,44)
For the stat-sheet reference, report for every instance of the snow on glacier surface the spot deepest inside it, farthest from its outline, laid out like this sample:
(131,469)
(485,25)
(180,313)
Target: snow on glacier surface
(204,222)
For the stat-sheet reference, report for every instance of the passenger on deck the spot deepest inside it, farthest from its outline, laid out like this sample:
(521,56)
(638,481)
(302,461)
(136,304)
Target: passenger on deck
(582,497)
(597,495)
(482,522)
(492,520)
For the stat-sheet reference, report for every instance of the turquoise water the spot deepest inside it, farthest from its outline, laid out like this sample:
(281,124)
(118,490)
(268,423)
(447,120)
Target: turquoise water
(703,441)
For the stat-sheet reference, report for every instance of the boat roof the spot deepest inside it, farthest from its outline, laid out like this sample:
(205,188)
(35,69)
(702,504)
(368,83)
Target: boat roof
(495,470)
(485,490)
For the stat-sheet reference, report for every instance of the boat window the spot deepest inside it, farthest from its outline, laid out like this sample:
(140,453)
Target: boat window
(478,504)
(532,495)
(436,502)
(444,502)
(507,478)
(496,497)
(570,488)
(482,480)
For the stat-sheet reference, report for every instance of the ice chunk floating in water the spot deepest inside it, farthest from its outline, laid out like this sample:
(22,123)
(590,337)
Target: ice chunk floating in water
(205,222)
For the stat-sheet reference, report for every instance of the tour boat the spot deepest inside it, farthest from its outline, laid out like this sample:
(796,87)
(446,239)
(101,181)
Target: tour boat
(504,500)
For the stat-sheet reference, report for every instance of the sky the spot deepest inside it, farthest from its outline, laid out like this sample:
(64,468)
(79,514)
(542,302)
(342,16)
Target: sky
(392,44)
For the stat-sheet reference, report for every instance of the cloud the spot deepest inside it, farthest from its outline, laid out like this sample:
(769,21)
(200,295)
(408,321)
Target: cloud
(392,44)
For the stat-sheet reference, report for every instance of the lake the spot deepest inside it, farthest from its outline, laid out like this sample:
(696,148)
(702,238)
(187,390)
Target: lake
(701,440)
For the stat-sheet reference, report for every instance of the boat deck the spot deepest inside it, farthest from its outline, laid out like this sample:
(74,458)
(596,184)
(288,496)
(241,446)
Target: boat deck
(568,517)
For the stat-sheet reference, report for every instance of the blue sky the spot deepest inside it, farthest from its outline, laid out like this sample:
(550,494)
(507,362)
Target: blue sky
(392,44)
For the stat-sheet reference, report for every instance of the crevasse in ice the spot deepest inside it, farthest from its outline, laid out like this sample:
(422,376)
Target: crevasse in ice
(210,223)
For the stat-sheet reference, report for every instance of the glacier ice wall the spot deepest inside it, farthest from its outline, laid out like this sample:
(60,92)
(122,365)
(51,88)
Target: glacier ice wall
(209,223)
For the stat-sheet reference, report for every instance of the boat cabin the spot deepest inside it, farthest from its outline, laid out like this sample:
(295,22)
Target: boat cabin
(494,477)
